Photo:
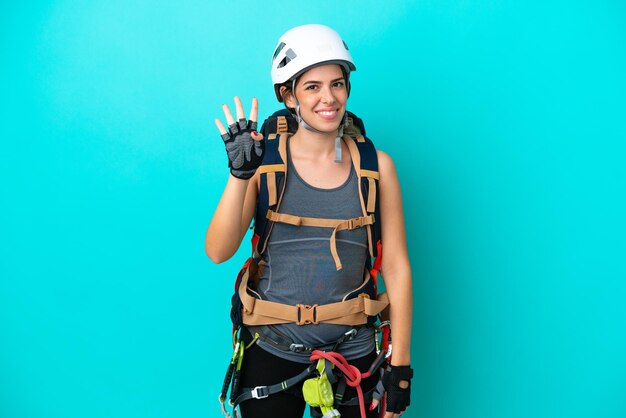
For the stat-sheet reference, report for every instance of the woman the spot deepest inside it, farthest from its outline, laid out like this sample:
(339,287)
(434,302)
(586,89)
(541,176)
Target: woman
(310,71)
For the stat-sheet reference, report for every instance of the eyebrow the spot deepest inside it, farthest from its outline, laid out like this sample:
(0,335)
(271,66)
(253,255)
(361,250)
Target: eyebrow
(319,82)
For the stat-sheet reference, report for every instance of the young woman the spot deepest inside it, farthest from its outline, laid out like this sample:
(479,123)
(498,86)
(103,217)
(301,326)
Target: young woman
(303,264)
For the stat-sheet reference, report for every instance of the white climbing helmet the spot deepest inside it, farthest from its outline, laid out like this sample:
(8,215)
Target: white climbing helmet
(305,46)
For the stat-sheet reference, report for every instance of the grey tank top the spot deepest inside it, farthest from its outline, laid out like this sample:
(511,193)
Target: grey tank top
(300,267)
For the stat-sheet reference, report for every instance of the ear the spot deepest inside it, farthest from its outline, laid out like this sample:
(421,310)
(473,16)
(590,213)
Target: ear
(287,96)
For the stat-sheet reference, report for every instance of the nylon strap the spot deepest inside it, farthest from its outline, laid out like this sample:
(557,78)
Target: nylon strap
(261,392)
(271,188)
(337,224)
(275,196)
(281,125)
(370,173)
(371,197)
(356,162)
(348,312)
(271,168)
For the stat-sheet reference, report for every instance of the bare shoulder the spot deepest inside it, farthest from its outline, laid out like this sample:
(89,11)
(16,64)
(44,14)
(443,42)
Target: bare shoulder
(386,166)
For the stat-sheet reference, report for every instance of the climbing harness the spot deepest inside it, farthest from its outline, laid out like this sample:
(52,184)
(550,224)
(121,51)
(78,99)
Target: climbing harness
(327,368)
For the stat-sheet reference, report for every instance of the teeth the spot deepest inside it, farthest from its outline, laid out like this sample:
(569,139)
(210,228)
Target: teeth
(330,113)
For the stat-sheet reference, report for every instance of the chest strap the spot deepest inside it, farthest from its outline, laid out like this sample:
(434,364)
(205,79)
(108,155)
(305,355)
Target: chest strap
(336,224)
(347,312)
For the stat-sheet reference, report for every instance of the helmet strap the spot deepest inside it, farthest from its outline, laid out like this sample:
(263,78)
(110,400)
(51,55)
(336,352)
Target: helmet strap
(308,127)
(343,124)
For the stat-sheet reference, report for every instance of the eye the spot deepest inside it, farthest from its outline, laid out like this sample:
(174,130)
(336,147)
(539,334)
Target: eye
(339,84)
(311,87)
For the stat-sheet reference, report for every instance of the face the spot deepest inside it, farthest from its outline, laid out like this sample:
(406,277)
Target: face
(322,94)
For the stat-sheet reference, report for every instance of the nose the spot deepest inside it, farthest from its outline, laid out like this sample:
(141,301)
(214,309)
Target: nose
(327,96)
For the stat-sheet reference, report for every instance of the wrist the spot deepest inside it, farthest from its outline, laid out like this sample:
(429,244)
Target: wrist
(243,176)
(398,360)
(402,372)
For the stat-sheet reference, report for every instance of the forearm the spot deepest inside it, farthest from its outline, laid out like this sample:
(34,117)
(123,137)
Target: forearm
(225,230)
(399,289)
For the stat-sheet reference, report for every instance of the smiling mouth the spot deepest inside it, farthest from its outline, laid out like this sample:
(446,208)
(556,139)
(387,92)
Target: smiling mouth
(327,114)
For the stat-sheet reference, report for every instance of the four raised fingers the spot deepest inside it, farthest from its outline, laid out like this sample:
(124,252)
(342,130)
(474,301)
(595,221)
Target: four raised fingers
(241,117)
(229,116)
(254,111)
(220,126)
(239,108)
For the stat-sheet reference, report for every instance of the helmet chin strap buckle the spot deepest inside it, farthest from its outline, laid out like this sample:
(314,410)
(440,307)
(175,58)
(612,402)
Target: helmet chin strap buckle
(344,123)
(338,148)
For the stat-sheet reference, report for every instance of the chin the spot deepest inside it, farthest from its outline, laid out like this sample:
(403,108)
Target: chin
(328,126)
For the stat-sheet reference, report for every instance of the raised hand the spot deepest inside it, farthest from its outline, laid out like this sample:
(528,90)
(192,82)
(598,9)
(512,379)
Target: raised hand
(244,146)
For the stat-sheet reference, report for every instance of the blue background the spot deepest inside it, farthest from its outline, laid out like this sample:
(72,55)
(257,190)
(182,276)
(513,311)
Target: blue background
(506,121)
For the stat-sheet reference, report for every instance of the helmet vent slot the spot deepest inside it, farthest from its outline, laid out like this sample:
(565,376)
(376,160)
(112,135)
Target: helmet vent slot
(289,55)
(278,49)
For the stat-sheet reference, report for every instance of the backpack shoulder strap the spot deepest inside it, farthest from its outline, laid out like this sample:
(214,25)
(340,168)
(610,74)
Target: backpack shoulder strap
(365,161)
(273,174)
(273,170)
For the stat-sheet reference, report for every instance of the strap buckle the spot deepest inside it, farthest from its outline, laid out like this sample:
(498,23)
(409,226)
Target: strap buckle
(255,392)
(281,125)
(306,314)
(355,223)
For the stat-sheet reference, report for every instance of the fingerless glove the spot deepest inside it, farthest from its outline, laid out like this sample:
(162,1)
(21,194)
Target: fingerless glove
(397,398)
(244,153)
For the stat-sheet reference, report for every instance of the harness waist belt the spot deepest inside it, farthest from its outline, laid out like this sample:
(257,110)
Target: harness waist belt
(347,312)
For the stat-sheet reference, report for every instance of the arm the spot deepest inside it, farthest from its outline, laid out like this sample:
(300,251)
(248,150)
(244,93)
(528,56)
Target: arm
(395,268)
(396,271)
(231,218)
(234,212)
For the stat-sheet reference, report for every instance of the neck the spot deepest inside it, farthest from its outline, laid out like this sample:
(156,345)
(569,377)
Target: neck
(317,145)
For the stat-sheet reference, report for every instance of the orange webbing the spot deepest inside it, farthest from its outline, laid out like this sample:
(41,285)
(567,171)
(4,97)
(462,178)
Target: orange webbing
(371,197)
(271,168)
(271,189)
(370,173)
(348,312)
(337,224)
(281,125)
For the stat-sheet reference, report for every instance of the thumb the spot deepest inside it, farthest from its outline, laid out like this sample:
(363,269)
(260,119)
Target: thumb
(256,136)
(374,404)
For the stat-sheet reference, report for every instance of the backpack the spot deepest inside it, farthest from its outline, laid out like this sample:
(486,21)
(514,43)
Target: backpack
(362,305)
